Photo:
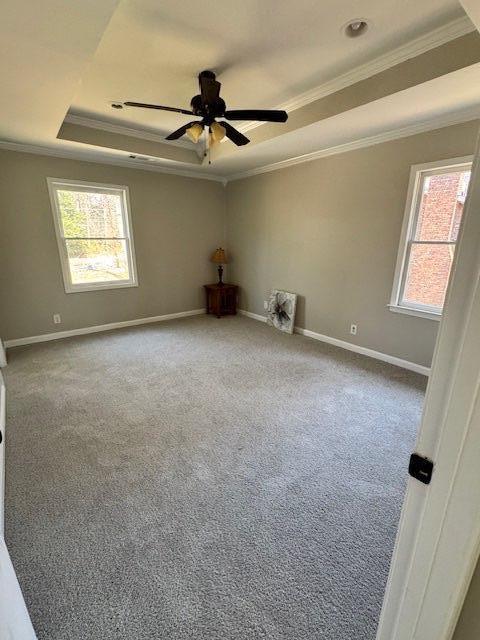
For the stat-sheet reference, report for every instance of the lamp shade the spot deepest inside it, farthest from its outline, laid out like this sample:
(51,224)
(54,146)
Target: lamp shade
(217,132)
(219,256)
(195,131)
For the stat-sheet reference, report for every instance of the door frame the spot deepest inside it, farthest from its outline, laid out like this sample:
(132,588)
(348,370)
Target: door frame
(438,539)
(3,422)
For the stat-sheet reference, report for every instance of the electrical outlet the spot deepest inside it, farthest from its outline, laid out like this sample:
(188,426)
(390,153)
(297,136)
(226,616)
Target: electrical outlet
(57,318)
(353,329)
(265,304)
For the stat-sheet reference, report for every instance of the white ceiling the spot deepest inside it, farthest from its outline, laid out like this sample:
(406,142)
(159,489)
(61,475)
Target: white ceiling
(44,49)
(61,55)
(265,52)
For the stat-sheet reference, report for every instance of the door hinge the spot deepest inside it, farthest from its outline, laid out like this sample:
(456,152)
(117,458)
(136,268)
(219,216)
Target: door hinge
(420,468)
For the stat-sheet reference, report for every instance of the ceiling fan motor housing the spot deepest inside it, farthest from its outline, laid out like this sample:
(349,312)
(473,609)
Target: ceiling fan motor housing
(209,111)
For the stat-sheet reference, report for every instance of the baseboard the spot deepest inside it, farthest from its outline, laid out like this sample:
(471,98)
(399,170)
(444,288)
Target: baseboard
(371,353)
(254,316)
(58,335)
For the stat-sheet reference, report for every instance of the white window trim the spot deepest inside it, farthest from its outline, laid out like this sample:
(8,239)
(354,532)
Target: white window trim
(80,185)
(417,171)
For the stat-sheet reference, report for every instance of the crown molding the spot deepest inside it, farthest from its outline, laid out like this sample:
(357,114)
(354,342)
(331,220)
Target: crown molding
(103,125)
(422,44)
(392,134)
(368,141)
(82,156)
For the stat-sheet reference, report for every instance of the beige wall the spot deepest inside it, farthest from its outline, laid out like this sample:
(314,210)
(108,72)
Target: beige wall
(329,230)
(176,223)
(468,627)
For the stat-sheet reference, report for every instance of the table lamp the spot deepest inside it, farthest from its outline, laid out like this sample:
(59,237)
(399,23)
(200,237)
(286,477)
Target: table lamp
(219,257)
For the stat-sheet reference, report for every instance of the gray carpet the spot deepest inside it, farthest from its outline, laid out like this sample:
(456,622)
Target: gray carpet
(205,479)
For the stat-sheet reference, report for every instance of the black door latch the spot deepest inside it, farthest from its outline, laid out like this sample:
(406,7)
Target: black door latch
(420,468)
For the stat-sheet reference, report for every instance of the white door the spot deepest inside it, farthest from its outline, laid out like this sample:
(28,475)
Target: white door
(15,622)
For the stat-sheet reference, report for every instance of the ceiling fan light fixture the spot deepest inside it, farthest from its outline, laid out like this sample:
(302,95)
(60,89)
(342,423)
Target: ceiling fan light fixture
(355,28)
(194,132)
(208,105)
(217,132)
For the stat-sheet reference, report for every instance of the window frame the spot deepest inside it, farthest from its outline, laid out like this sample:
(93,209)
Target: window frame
(56,184)
(418,173)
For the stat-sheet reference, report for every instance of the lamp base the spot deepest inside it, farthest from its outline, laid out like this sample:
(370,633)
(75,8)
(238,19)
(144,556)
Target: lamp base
(220,274)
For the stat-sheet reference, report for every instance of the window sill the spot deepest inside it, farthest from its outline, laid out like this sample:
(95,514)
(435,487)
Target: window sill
(430,315)
(98,287)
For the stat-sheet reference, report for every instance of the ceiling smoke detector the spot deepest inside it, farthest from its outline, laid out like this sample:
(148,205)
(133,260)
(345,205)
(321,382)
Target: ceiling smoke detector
(355,28)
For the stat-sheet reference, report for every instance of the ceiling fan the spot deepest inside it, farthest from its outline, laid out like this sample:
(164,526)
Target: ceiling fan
(208,105)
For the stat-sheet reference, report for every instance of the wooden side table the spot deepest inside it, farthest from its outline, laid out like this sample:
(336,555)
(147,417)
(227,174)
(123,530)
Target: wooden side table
(221,299)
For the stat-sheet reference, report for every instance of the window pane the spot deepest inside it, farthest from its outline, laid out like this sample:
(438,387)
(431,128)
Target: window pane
(428,273)
(91,215)
(441,206)
(97,260)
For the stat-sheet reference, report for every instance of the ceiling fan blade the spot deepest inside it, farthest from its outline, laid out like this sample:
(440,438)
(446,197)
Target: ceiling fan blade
(232,134)
(257,114)
(209,89)
(143,105)
(180,132)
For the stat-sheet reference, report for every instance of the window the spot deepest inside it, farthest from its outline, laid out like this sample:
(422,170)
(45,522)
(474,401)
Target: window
(436,197)
(93,227)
